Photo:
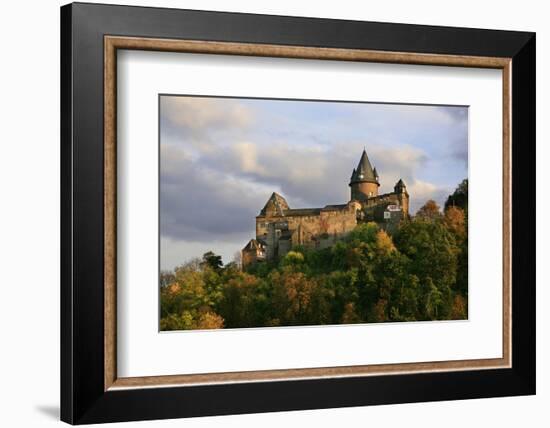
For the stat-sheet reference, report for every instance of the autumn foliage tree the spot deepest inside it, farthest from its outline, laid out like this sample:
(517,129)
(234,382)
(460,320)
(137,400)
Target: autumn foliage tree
(430,210)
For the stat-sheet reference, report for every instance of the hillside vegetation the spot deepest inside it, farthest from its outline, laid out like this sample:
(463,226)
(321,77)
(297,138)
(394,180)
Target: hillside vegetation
(418,273)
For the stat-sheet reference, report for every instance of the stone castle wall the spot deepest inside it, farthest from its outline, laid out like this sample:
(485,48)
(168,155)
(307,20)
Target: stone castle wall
(248,257)
(305,228)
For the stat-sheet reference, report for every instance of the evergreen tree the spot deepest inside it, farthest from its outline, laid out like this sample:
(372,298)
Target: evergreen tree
(459,198)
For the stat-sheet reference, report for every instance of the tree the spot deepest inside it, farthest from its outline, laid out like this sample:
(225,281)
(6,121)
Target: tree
(350,315)
(433,299)
(456,219)
(430,210)
(186,293)
(166,278)
(292,258)
(455,222)
(384,243)
(241,300)
(297,299)
(209,320)
(397,287)
(462,272)
(212,260)
(433,255)
(341,291)
(188,320)
(459,310)
(459,198)
(192,294)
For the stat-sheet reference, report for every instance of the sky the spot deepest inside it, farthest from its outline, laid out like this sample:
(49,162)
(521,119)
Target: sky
(222,158)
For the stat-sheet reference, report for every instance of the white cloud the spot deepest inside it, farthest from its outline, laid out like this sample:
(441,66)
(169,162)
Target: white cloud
(421,191)
(205,113)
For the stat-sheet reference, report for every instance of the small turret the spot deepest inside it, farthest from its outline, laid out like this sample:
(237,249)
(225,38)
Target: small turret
(400,187)
(400,190)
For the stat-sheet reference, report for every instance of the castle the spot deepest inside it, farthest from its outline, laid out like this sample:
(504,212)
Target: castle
(279,227)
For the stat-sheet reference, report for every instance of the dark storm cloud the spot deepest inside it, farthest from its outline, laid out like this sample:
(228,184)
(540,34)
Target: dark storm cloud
(199,203)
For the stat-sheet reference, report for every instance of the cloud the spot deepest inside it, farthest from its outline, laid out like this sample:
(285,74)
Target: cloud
(314,175)
(459,150)
(455,113)
(201,203)
(203,123)
(205,113)
(422,191)
(222,158)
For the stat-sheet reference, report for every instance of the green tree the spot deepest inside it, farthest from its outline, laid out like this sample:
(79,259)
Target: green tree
(433,255)
(186,301)
(459,198)
(240,304)
(293,258)
(209,259)
(342,294)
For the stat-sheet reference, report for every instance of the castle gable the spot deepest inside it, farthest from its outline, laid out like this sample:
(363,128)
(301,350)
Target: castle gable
(276,205)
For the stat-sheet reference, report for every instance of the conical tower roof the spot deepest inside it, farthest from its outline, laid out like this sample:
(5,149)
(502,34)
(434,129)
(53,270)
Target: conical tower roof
(400,187)
(364,170)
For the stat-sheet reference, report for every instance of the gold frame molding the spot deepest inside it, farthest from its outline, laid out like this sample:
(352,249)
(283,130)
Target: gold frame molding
(113,43)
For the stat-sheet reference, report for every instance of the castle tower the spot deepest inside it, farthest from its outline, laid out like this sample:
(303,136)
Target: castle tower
(364,180)
(402,196)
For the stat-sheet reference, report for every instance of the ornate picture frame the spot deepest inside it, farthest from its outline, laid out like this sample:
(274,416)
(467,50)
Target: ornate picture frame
(91,389)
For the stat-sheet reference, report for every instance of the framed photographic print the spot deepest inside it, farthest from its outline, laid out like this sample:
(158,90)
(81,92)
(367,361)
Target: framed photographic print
(266,213)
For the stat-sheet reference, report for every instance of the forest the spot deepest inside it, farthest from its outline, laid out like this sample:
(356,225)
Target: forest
(419,273)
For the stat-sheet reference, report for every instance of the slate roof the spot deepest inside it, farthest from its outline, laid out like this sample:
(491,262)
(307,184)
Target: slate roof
(275,203)
(335,207)
(400,183)
(254,244)
(364,171)
(303,211)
